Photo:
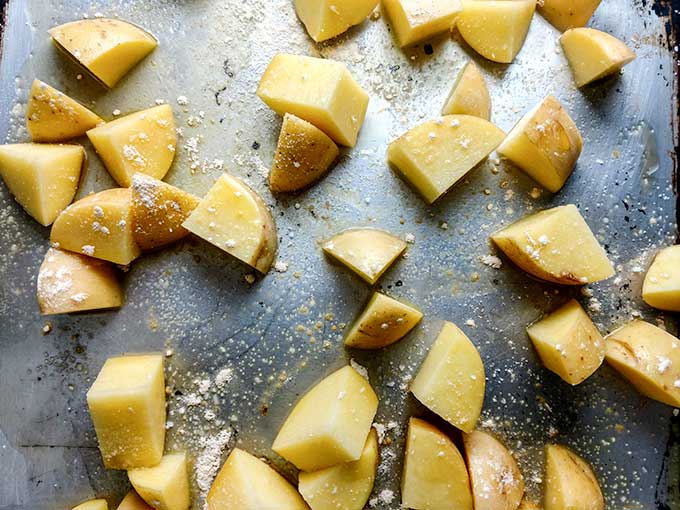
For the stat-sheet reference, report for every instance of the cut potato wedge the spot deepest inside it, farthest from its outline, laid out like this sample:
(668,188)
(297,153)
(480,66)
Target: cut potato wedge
(661,288)
(325,19)
(469,95)
(570,483)
(434,156)
(93,504)
(165,486)
(527,504)
(414,21)
(234,218)
(132,501)
(330,424)
(556,245)
(106,48)
(565,14)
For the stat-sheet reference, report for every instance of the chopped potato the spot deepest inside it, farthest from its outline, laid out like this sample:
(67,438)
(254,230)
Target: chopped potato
(43,178)
(106,48)
(568,343)
(132,501)
(234,218)
(330,423)
(435,155)
(661,288)
(527,504)
(434,476)
(127,406)
(649,358)
(383,322)
(320,91)
(451,380)
(165,486)
(325,19)
(565,14)
(303,155)
(556,245)
(93,504)
(570,483)
(469,95)
(414,21)
(143,142)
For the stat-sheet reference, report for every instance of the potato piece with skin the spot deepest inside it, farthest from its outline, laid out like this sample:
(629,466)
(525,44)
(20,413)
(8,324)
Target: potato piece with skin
(325,19)
(570,483)
(661,288)
(434,475)
(414,21)
(528,505)
(434,156)
(469,95)
(303,155)
(165,486)
(555,245)
(565,14)
(93,504)
(330,424)
(132,501)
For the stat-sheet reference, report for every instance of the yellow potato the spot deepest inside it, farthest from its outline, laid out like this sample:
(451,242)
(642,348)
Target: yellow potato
(43,178)
(165,486)
(649,358)
(496,29)
(564,14)
(99,225)
(555,245)
(528,505)
(320,91)
(143,142)
(325,19)
(127,406)
(234,218)
(469,95)
(93,504)
(330,424)
(132,501)
(414,21)
(661,288)
(106,48)
(451,380)
(345,486)
(366,251)
(434,156)
(383,322)
(570,483)
(303,155)
(434,476)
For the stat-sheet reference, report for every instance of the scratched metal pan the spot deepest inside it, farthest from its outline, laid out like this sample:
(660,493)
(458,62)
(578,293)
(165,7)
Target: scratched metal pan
(242,353)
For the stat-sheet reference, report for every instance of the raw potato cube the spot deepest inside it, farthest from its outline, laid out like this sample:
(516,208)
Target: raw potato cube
(469,95)
(545,143)
(496,29)
(383,322)
(434,156)
(451,380)
(568,343)
(325,19)
(320,91)
(143,142)
(99,225)
(43,178)
(564,14)
(556,245)
(165,486)
(303,155)
(414,21)
(661,288)
(127,406)
(649,358)
(528,505)
(330,424)
(158,211)
(93,504)
(570,483)
(434,476)
(247,483)
(234,218)
(106,48)
(593,54)
(346,486)
(132,501)
(366,251)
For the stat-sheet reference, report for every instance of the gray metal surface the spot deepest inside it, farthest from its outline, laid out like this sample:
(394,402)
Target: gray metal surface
(281,334)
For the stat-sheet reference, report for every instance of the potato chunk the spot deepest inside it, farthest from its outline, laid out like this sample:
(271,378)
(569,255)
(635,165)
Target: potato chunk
(106,48)
(320,91)
(661,288)
(414,21)
(469,95)
(347,486)
(366,251)
(556,245)
(496,29)
(434,476)
(132,501)
(570,483)
(383,322)
(330,424)
(158,211)
(565,14)
(127,406)
(303,155)
(325,19)
(142,142)
(649,358)
(568,343)
(93,504)
(234,218)
(434,156)
(527,504)
(247,483)
(165,486)
(451,380)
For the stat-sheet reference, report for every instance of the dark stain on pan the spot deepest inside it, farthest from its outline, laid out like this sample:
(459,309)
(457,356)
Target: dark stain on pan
(4,5)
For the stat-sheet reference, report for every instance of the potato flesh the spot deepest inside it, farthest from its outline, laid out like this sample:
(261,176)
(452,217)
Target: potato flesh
(330,424)
(93,504)
(434,156)
(661,288)
(414,21)
(127,406)
(570,482)
(451,380)
(565,14)
(556,245)
(165,486)
(132,501)
(325,19)
(528,505)
(320,91)
(469,95)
